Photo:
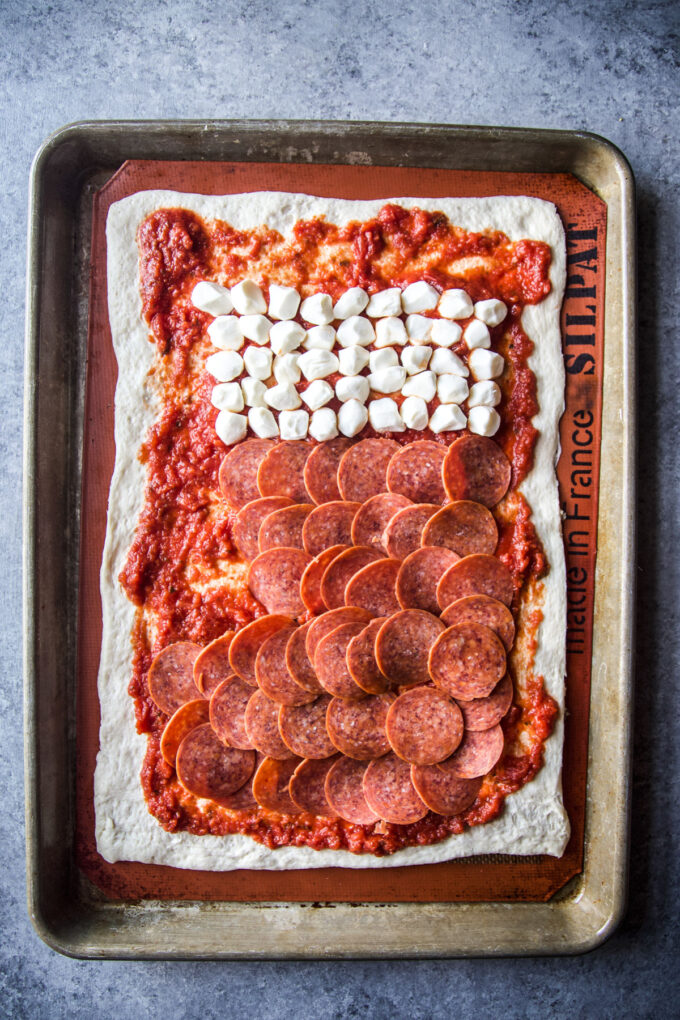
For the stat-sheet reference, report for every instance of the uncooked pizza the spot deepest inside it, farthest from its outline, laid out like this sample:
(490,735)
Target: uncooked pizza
(333,584)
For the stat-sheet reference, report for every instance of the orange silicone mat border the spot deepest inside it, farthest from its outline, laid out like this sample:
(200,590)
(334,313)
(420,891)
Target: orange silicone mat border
(493,878)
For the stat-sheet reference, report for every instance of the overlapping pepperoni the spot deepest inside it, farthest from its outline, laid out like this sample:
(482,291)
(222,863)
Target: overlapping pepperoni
(372,518)
(463,526)
(284,527)
(248,521)
(310,582)
(345,793)
(272,673)
(212,666)
(443,791)
(415,471)
(270,785)
(307,786)
(262,727)
(274,579)
(340,572)
(298,662)
(475,575)
(419,576)
(357,728)
(467,661)
(304,730)
(186,718)
(324,624)
(330,662)
(321,469)
(482,609)
(361,660)
(483,713)
(329,524)
(239,472)
(424,726)
(171,676)
(374,588)
(281,471)
(362,471)
(403,645)
(477,754)
(207,768)
(390,793)
(228,712)
(403,533)
(247,642)
(476,468)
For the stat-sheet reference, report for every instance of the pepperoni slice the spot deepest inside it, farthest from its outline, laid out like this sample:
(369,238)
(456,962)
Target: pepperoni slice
(358,728)
(416,471)
(463,526)
(442,791)
(483,713)
(330,662)
(307,786)
(362,471)
(270,786)
(375,588)
(329,524)
(341,570)
(207,768)
(475,575)
(321,469)
(310,583)
(272,675)
(374,516)
(211,667)
(361,660)
(329,621)
(228,712)
(274,579)
(238,471)
(304,729)
(171,676)
(283,528)
(262,726)
(403,645)
(477,754)
(298,662)
(467,661)
(281,472)
(246,644)
(403,532)
(390,793)
(243,799)
(476,468)
(186,718)
(345,792)
(248,520)
(424,726)
(419,576)
(482,609)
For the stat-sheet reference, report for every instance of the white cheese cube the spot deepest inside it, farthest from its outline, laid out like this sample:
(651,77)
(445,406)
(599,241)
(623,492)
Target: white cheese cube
(445,333)
(286,368)
(317,309)
(385,302)
(317,394)
(230,427)
(248,298)
(263,423)
(283,302)
(419,328)
(390,331)
(385,358)
(477,335)
(423,385)
(384,415)
(414,413)
(317,364)
(227,396)
(387,380)
(352,418)
(419,297)
(491,311)
(224,365)
(352,302)
(357,330)
(293,424)
(258,362)
(319,338)
(226,333)
(484,394)
(253,392)
(211,298)
(285,337)
(323,425)
(455,304)
(444,360)
(282,397)
(255,327)
(484,421)
(416,359)
(352,359)
(485,364)
(352,387)
(451,389)
(447,418)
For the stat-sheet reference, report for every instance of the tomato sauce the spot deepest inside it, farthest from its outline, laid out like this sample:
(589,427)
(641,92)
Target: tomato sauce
(183,540)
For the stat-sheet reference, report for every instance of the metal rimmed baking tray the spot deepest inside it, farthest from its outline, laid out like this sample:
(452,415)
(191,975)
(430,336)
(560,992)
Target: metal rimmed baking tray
(67,911)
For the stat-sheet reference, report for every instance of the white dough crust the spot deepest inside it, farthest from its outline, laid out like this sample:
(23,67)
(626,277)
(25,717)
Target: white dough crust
(533,820)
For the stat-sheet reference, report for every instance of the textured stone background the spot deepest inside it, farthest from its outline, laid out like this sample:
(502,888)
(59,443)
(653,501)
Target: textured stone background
(609,67)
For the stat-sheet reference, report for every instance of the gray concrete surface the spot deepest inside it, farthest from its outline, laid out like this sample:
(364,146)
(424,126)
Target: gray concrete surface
(609,67)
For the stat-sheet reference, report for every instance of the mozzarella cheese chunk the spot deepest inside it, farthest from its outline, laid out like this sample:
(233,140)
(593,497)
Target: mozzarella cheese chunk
(258,362)
(444,360)
(484,394)
(293,424)
(248,298)
(352,302)
(356,331)
(263,422)
(419,297)
(317,364)
(451,389)
(484,421)
(416,359)
(323,425)
(414,413)
(230,427)
(477,335)
(384,415)
(286,368)
(445,333)
(447,418)
(485,364)
(253,392)
(419,328)
(283,397)
(224,365)
(317,394)
(352,417)
(423,385)
(227,397)
(387,380)
(283,302)
(285,337)
(385,302)
(351,360)
(385,358)
(319,338)
(390,331)
(211,298)
(352,387)
(492,311)
(225,332)
(255,327)
(455,304)
(317,309)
